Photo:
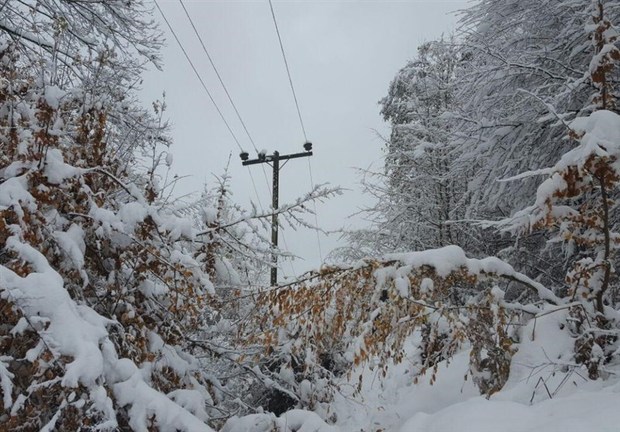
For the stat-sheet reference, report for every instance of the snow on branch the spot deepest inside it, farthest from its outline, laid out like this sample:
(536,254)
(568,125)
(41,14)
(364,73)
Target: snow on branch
(292,211)
(367,311)
(599,140)
(80,333)
(452,258)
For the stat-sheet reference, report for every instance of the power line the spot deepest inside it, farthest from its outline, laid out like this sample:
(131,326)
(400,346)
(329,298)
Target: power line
(221,114)
(217,73)
(204,86)
(219,77)
(230,99)
(288,71)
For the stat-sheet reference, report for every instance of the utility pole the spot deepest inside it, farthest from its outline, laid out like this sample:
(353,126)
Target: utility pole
(274,161)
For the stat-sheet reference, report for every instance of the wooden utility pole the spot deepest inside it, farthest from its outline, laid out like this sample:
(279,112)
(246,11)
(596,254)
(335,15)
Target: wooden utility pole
(274,161)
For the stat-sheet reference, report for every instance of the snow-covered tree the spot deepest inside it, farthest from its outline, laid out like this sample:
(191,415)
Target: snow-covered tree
(577,200)
(528,72)
(424,195)
(97,289)
(417,194)
(234,251)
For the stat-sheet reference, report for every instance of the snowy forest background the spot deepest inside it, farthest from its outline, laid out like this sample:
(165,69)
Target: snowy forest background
(483,293)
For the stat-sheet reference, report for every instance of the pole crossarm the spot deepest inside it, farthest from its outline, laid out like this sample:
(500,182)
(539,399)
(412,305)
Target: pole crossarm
(271,158)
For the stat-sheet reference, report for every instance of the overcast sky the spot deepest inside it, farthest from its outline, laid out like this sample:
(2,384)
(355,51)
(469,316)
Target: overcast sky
(342,55)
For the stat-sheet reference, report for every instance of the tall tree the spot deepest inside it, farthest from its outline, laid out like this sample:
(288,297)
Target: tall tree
(423,194)
(417,193)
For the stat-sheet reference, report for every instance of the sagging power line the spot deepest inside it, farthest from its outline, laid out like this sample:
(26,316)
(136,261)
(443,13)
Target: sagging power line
(288,70)
(217,73)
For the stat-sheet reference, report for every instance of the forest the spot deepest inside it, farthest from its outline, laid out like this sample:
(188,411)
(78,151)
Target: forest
(482,291)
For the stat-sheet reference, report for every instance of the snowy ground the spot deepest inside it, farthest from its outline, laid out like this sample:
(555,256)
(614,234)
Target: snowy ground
(538,396)
(544,393)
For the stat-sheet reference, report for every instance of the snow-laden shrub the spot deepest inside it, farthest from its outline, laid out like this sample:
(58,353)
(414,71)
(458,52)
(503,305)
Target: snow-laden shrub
(96,289)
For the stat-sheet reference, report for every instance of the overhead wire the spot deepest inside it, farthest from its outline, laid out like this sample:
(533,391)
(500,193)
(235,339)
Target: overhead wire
(219,77)
(288,70)
(217,73)
(228,95)
(301,122)
(204,86)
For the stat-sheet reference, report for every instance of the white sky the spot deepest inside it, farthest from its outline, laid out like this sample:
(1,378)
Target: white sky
(342,55)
